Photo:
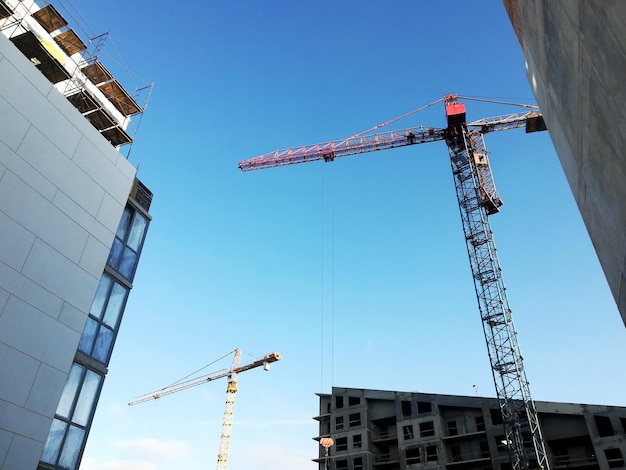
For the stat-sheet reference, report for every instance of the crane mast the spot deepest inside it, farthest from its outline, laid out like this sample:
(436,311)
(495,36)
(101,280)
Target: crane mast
(229,410)
(477,199)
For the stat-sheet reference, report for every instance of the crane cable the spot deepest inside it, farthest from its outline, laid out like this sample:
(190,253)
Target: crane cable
(396,119)
(484,100)
(332,280)
(507,103)
(199,370)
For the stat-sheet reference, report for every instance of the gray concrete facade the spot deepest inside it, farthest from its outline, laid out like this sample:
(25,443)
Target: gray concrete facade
(63,188)
(576,63)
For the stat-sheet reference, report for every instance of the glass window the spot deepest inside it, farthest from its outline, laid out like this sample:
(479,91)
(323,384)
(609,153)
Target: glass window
(127,263)
(116,253)
(128,241)
(99,332)
(67,433)
(86,399)
(88,336)
(355,419)
(124,223)
(54,441)
(64,407)
(115,305)
(103,345)
(71,448)
(102,293)
(137,231)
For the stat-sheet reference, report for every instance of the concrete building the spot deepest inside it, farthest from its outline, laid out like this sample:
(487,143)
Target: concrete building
(73,219)
(576,63)
(385,430)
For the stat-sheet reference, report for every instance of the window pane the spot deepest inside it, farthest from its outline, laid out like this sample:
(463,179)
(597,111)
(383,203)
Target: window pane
(114,307)
(101,296)
(69,391)
(71,448)
(116,253)
(88,336)
(86,398)
(136,232)
(103,345)
(123,226)
(127,263)
(53,443)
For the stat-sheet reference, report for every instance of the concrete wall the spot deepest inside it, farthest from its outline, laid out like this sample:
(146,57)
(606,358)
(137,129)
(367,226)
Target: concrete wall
(576,63)
(62,191)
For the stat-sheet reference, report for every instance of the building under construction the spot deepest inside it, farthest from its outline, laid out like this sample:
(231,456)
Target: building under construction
(387,430)
(73,219)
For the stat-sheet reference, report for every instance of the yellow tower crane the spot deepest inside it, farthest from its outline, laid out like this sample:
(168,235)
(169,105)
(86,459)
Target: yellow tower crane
(231,390)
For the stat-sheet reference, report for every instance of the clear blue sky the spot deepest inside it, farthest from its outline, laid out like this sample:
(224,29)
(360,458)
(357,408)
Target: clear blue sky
(356,272)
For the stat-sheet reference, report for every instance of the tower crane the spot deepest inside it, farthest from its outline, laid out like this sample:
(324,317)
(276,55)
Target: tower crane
(477,199)
(231,390)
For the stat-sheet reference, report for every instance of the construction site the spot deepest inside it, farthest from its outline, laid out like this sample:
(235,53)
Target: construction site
(330,294)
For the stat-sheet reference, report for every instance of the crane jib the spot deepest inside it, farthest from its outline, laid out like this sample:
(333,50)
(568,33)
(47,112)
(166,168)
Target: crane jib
(329,151)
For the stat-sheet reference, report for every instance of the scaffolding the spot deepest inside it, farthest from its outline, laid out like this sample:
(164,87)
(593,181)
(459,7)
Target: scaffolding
(74,68)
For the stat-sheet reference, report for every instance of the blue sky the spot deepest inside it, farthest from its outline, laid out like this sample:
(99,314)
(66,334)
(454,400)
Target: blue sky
(356,271)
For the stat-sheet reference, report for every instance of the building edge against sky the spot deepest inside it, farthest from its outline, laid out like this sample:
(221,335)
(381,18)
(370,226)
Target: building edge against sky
(73,218)
(576,64)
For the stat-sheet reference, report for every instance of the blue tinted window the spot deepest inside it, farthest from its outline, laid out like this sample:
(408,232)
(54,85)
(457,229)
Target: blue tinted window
(54,441)
(101,296)
(87,397)
(103,345)
(127,263)
(72,383)
(137,231)
(124,223)
(88,336)
(116,253)
(71,448)
(115,305)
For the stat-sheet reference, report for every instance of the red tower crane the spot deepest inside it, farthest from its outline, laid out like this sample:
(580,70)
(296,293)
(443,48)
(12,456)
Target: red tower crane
(478,199)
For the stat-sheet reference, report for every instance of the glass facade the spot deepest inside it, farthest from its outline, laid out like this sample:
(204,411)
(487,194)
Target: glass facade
(70,427)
